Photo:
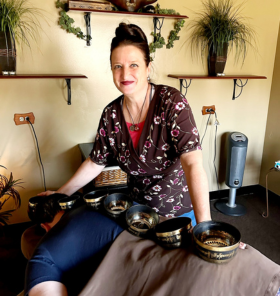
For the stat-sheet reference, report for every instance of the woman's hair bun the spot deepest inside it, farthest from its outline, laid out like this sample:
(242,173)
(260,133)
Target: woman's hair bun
(130,32)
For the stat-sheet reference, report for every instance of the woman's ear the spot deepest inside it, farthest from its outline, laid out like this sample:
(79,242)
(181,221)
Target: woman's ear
(46,226)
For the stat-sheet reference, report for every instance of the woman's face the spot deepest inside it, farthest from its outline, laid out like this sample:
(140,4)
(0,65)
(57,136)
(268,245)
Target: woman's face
(129,69)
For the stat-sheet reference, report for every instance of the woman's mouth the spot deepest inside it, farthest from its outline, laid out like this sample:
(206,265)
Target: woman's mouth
(127,82)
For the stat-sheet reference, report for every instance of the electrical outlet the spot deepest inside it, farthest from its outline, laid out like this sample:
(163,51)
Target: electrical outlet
(206,108)
(21,118)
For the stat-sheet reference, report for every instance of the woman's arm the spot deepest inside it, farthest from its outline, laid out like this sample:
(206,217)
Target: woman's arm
(85,173)
(197,183)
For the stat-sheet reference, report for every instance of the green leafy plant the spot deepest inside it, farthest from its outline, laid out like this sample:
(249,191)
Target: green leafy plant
(20,20)
(221,23)
(66,22)
(7,191)
(159,41)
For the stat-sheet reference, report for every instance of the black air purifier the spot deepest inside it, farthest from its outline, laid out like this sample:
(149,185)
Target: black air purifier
(237,144)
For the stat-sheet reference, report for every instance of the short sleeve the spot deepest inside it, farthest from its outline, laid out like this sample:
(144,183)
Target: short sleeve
(101,147)
(183,130)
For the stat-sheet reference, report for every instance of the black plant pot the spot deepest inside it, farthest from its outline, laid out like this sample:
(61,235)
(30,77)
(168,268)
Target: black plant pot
(217,63)
(7,53)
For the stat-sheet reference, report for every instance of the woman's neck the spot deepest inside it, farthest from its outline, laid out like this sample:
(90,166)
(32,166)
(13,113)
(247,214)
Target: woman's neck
(135,101)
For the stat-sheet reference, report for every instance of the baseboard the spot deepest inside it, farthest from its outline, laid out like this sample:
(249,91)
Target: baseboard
(245,190)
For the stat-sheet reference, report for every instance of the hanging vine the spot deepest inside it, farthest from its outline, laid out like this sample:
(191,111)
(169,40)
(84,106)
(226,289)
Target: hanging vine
(66,23)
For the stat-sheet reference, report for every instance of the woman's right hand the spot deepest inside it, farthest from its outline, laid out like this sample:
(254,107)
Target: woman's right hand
(46,193)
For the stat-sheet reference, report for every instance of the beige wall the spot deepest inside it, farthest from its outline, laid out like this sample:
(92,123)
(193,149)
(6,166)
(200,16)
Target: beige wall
(271,151)
(60,127)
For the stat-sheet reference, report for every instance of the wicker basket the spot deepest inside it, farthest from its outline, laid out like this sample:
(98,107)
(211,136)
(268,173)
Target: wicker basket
(111,176)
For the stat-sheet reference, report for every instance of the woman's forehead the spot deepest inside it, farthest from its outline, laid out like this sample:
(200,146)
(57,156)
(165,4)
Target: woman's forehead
(127,53)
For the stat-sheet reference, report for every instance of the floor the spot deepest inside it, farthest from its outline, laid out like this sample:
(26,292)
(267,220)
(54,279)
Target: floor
(261,233)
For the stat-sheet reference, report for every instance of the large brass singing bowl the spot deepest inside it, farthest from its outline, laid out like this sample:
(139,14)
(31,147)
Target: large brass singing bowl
(131,5)
(174,233)
(216,242)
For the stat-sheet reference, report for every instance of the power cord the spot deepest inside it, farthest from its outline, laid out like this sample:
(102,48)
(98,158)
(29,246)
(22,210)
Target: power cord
(206,127)
(27,119)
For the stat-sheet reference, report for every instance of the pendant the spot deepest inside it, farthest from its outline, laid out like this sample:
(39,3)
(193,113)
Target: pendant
(136,128)
(132,127)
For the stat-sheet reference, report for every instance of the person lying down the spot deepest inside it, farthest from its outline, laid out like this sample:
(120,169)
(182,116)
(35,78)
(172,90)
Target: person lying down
(67,256)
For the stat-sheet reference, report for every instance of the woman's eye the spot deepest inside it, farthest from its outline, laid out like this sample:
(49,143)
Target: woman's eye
(134,65)
(117,67)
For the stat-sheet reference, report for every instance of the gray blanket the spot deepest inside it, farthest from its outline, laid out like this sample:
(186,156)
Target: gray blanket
(138,267)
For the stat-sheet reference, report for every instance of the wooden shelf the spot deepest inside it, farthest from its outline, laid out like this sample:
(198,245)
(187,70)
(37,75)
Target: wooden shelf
(156,18)
(67,78)
(183,78)
(131,13)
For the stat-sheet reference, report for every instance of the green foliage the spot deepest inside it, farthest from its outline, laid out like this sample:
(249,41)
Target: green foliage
(19,19)
(173,36)
(221,23)
(7,191)
(66,22)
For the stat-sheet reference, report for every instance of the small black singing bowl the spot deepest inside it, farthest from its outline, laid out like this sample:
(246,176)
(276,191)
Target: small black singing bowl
(32,208)
(140,219)
(174,233)
(68,202)
(116,204)
(215,241)
(94,198)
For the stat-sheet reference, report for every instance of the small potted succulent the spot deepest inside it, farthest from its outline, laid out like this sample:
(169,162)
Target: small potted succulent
(218,29)
(7,191)
(18,23)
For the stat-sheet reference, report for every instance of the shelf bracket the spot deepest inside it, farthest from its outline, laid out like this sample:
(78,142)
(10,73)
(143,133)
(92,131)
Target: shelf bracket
(235,84)
(158,22)
(68,82)
(184,86)
(87,19)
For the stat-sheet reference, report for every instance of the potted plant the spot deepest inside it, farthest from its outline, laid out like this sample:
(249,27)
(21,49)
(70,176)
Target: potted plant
(219,29)
(18,23)
(7,191)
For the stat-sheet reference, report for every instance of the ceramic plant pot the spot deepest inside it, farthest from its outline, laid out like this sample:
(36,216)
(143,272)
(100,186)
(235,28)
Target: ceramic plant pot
(7,54)
(131,5)
(217,63)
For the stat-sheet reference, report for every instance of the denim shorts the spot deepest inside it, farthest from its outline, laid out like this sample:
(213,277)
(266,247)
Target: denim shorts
(190,215)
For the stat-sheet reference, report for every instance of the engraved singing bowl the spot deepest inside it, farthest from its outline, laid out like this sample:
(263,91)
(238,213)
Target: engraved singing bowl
(32,208)
(116,204)
(68,202)
(131,5)
(215,241)
(94,199)
(174,233)
(140,219)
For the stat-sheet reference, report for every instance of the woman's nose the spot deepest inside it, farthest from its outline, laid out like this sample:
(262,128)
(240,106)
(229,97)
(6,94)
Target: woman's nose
(125,73)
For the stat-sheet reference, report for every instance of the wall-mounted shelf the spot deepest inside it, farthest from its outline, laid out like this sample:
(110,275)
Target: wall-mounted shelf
(156,17)
(184,78)
(48,76)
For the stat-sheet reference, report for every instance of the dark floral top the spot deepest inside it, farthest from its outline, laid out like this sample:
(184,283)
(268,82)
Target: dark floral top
(155,174)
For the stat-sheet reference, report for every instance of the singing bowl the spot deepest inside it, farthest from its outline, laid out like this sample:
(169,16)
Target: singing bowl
(216,241)
(116,204)
(68,202)
(140,219)
(174,233)
(94,198)
(32,208)
(131,5)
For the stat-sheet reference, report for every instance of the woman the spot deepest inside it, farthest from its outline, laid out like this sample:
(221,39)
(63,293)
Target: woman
(151,131)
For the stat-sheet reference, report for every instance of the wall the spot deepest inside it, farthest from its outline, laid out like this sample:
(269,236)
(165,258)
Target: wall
(60,127)
(272,134)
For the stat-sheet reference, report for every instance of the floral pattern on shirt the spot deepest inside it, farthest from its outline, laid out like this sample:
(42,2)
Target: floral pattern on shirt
(155,174)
